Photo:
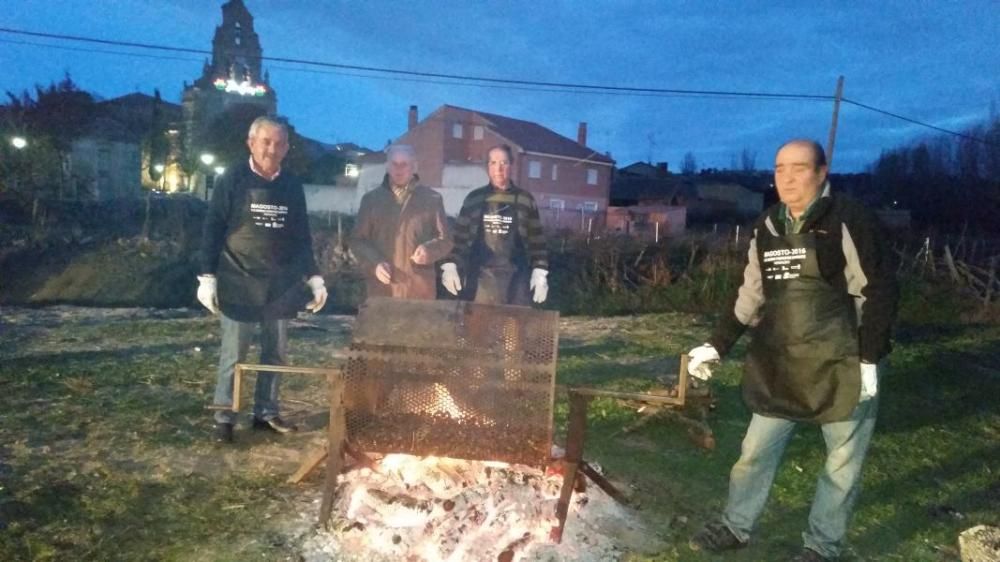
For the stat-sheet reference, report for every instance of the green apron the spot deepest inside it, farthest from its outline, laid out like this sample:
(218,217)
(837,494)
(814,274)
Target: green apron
(802,363)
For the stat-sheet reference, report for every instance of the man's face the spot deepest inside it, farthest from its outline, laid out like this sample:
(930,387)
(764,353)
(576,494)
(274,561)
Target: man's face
(268,147)
(796,176)
(400,169)
(498,167)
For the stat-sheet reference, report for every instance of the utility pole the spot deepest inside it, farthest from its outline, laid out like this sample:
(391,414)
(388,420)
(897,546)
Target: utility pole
(833,125)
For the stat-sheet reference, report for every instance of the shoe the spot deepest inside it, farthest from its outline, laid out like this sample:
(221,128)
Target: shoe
(715,537)
(810,555)
(223,433)
(274,424)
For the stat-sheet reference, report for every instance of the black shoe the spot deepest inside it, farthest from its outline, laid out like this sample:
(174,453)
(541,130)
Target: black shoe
(715,537)
(274,424)
(223,433)
(810,555)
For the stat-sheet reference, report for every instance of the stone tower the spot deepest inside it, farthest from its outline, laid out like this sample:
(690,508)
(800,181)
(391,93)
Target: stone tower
(233,77)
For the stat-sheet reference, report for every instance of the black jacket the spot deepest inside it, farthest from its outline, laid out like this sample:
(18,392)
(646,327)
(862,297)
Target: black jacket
(256,241)
(853,257)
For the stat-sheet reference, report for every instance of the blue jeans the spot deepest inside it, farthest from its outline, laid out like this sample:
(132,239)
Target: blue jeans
(837,487)
(236,338)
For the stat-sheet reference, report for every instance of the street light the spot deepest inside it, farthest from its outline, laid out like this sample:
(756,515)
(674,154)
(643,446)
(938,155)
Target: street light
(207,158)
(19,142)
(219,170)
(159,172)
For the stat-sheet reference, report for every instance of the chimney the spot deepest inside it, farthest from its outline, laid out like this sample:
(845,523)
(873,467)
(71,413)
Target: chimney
(412,119)
(581,134)
(661,169)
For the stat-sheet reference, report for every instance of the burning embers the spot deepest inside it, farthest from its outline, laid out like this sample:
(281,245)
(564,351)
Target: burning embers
(440,509)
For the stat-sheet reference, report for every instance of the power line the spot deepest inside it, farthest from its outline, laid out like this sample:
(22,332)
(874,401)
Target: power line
(916,122)
(422,74)
(479,81)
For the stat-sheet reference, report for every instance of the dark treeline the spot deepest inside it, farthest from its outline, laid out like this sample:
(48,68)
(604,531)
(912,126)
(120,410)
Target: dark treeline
(947,182)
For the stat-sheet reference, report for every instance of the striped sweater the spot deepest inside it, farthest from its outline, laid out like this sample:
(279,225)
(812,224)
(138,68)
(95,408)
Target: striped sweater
(483,206)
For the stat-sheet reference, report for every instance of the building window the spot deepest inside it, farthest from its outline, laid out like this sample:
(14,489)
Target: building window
(534,169)
(456,130)
(477,133)
(591,176)
(555,172)
(557,204)
(589,206)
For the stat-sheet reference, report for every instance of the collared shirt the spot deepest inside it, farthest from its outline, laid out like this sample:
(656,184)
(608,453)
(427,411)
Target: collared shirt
(794,225)
(402,192)
(256,170)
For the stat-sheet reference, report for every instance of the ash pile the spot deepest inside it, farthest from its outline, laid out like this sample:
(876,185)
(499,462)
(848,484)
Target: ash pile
(438,509)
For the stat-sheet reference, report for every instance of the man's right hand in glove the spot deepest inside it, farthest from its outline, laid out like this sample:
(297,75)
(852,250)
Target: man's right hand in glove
(449,278)
(700,357)
(208,295)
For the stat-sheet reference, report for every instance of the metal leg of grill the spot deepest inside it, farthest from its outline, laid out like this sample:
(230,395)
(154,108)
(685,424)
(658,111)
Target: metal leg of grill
(335,446)
(575,434)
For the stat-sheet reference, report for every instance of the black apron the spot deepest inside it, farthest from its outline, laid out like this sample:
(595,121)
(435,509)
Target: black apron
(500,258)
(802,363)
(258,276)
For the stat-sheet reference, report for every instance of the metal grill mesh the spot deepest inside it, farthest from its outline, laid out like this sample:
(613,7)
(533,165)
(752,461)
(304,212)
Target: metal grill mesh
(451,378)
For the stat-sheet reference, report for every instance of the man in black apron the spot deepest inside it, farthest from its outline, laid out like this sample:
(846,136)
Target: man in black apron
(499,243)
(819,296)
(256,266)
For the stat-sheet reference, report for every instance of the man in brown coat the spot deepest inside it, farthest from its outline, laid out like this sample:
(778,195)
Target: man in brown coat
(401,231)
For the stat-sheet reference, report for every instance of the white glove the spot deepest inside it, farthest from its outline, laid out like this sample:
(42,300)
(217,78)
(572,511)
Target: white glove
(539,284)
(869,381)
(700,357)
(208,295)
(318,287)
(450,279)
(383,272)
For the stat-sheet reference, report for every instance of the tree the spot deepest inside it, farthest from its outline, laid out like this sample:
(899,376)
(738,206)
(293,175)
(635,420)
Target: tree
(156,145)
(51,120)
(689,165)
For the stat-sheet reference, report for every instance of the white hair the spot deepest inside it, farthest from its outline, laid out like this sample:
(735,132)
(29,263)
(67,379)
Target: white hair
(266,120)
(405,150)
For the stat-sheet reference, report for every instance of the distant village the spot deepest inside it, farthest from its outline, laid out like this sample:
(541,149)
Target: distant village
(139,144)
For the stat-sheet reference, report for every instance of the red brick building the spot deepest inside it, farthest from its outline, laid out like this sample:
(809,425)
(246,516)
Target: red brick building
(570,181)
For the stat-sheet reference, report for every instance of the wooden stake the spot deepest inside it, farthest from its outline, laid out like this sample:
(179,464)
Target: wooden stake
(575,435)
(335,446)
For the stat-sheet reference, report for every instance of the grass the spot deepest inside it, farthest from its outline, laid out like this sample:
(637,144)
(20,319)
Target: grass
(105,450)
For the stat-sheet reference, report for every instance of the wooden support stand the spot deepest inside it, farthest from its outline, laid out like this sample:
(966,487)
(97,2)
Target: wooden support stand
(574,463)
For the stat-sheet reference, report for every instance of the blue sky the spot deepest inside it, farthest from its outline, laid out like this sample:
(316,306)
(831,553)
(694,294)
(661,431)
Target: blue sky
(933,61)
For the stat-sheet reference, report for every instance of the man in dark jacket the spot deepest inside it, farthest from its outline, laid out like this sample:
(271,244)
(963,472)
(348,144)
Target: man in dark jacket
(401,231)
(256,264)
(499,244)
(819,296)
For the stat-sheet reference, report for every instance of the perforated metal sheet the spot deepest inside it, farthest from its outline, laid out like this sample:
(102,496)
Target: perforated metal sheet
(454,379)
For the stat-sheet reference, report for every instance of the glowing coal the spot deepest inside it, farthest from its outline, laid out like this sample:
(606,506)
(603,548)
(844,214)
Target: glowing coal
(447,510)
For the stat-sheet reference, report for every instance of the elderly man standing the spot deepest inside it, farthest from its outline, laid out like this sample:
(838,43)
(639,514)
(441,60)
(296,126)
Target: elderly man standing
(819,296)
(499,243)
(401,231)
(256,263)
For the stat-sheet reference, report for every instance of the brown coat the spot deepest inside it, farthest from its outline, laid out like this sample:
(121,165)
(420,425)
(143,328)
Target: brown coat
(387,231)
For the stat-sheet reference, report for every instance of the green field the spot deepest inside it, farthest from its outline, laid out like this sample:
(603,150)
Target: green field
(105,449)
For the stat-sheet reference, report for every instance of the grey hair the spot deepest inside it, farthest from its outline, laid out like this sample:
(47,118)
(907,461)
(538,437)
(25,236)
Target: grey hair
(268,121)
(404,149)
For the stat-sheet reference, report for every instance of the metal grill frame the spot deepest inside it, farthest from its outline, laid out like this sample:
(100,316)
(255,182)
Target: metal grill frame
(412,365)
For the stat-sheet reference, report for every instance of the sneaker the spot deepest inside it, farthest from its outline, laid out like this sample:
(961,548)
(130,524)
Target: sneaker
(810,555)
(223,433)
(274,424)
(715,537)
